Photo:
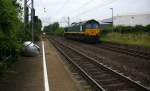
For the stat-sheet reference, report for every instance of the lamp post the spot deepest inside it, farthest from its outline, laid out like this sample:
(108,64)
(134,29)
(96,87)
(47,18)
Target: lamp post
(32,18)
(112,18)
(68,21)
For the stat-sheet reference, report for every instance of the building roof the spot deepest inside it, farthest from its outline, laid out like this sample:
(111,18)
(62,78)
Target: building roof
(108,20)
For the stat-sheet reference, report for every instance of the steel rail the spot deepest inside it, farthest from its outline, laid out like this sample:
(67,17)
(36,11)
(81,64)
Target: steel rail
(134,83)
(92,82)
(127,51)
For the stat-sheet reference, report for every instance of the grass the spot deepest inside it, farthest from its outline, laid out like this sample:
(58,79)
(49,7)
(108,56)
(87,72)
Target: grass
(139,38)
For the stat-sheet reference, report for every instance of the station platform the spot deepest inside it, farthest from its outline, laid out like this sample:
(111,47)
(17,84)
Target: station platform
(27,73)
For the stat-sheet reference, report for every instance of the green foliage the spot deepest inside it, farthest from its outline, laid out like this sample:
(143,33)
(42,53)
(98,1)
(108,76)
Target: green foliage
(8,16)
(12,33)
(54,29)
(140,28)
(128,29)
(37,31)
(123,29)
(140,38)
(147,28)
(10,29)
(134,35)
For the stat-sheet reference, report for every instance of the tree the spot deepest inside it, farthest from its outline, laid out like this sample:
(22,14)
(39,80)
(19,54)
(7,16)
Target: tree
(54,29)
(10,24)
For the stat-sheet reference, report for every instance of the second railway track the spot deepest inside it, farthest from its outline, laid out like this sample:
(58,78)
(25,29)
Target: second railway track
(99,76)
(128,51)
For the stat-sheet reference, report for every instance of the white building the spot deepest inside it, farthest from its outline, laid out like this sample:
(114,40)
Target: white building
(132,20)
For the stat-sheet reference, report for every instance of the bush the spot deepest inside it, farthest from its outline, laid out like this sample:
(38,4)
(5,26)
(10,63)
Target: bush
(129,29)
(148,28)
(10,27)
(141,39)
(54,29)
(139,28)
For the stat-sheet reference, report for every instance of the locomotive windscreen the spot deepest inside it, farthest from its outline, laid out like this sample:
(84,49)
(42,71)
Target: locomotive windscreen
(92,25)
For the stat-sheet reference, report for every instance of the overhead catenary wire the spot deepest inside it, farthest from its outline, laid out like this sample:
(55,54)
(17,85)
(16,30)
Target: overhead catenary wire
(92,9)
(62,7)
(81,13)
(85,4)
(81,6)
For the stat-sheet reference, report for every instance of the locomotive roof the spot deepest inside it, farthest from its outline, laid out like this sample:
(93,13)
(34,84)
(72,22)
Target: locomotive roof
(89,21)
(84,22)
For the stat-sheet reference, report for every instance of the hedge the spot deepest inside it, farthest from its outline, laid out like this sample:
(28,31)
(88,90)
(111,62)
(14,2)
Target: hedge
(128,29)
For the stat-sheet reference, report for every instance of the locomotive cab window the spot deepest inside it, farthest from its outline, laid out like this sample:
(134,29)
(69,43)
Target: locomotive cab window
(95,25)
(88,25)
(92,25)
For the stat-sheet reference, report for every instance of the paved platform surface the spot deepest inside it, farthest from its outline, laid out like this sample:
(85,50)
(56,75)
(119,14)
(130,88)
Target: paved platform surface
(27,74)
(59,78)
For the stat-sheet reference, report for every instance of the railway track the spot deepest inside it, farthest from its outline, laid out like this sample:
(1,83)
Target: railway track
(99,76)
(122,49)
(127,51)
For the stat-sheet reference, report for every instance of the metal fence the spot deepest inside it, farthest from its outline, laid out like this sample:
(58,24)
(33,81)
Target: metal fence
(6,55)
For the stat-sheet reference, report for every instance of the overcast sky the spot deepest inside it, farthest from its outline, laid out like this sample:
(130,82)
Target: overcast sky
(80,10)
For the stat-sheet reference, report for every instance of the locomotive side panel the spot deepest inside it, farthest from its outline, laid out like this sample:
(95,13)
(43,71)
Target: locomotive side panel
(88,31)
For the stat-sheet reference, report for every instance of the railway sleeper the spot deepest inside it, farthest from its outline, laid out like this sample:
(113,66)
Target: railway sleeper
(109,82)
(129,89)
(96,73)
(93,70)
(116,86)
(85,62)
(89,65)
(76,58)
(102,76)
(83,82)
